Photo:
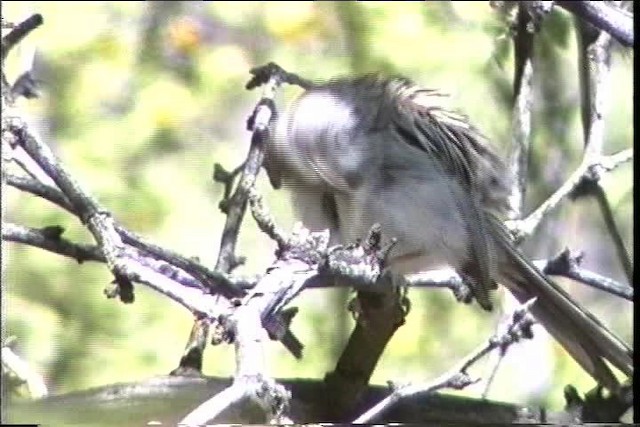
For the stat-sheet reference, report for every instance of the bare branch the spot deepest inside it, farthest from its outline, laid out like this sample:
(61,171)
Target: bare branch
(125,262)
(595,78)
(524,228)
(442,278)
(246,327)
(564,264)
(235,205)
(259,124)
(262,74)
(221,175)
(453,380)
(614,232)
(260,315)
(379,308)
(596,73)
(217,282)
(85,206)
(19,32)
(14,365)
(213,407)
(39,189)
(516,328)
(262,391)
(264,219)
(568,265)
(97,220)
(602,15)
(12,152)
(159,276)
(521,113)
(43,238)
(447,278)
(271,76)
(196,300)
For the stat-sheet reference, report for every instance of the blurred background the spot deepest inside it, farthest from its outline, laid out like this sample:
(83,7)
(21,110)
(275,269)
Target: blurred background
(139,99)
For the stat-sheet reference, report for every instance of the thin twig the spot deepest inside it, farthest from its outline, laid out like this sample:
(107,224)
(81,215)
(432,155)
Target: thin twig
(564,264)
(96,219)
(221,175)
(50,239)
(614,232)
(17,155)
(526,227)
(568,265)
(45,240)
(518,327)
(238,202)
(161,278)
(215,281)
(493,373)
(265,220)
(126,263)
(455,380)
(38,188)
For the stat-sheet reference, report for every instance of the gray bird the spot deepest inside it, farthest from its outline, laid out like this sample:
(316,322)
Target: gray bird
(359,151)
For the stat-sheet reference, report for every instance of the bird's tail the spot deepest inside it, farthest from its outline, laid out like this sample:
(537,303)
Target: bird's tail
(586,339)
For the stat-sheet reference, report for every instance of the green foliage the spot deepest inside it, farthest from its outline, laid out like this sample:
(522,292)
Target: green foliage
(140,99)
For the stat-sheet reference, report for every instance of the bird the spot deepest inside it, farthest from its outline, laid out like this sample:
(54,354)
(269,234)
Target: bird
(376,149)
